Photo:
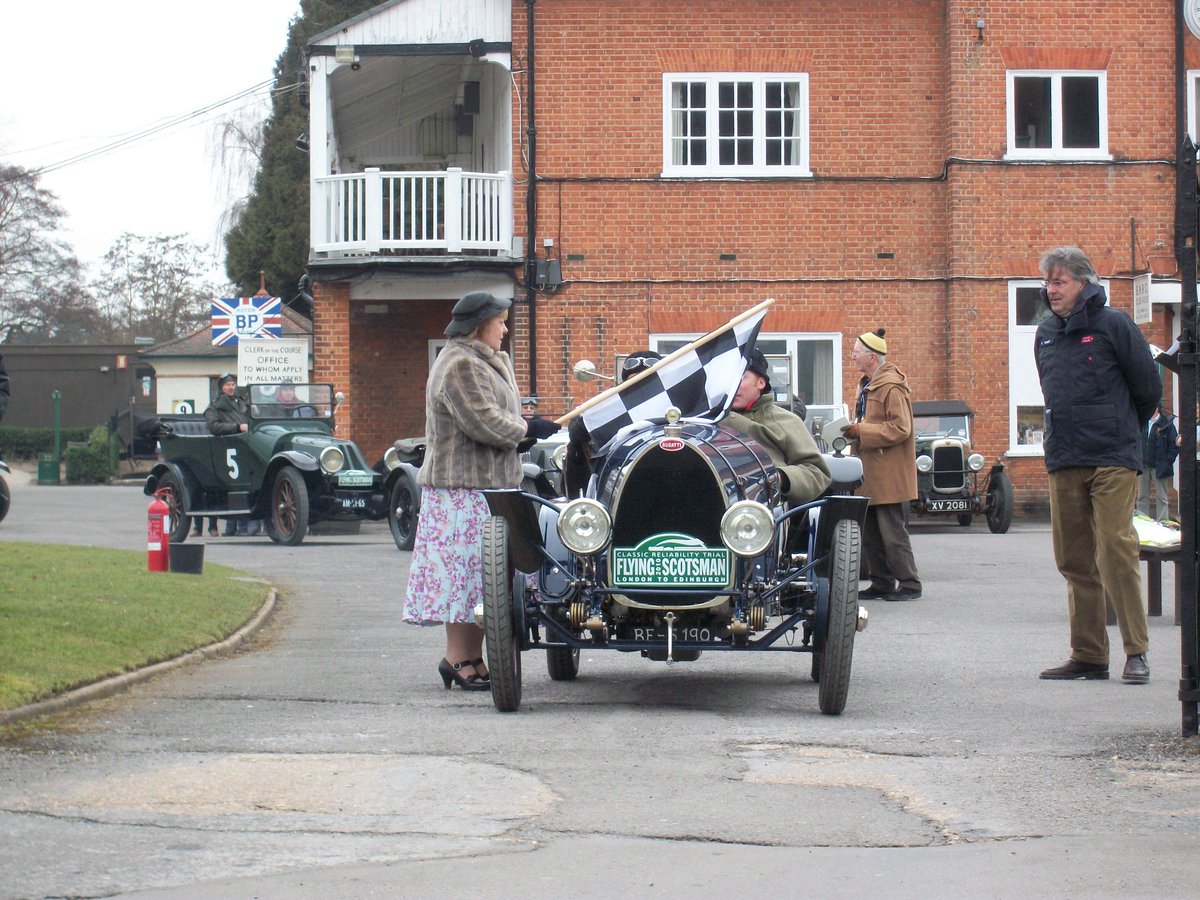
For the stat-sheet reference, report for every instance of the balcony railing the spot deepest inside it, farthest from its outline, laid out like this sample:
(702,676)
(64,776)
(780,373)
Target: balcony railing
(375,212)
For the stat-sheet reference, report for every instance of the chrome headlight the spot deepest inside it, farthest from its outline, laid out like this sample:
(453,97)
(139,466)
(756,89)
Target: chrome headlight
(747,528)
(559,456)
(975,461)
(584,526)
(332,460)
(924,463)
(391,458)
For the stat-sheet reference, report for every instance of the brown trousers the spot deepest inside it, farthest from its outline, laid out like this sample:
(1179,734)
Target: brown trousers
(1096,550)
(887,548)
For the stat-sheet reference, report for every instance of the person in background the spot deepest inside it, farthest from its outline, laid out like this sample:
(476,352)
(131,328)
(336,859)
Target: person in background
(886,444)
(473,426)
(1159,451)
(4,387)
(226,415)
(1100,384)
(803,472)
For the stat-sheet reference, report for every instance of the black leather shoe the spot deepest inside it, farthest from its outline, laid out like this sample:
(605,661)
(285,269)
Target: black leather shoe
(1074,670)
(904,594)
(1136,670)
(451,676)
(875,593)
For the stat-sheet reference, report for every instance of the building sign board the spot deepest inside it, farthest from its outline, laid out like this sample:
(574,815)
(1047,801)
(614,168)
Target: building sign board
(240,318)
(1141,299)
(272,361)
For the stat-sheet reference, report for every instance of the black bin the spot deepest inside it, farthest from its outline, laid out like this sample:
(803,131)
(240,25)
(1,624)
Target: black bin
(187,558)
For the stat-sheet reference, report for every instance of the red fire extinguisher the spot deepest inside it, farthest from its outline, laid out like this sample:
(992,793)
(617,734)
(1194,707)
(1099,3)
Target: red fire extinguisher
(157,535)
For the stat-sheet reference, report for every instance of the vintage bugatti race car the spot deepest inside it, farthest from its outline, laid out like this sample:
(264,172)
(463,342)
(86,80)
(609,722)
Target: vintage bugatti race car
(683,543)
(287,468)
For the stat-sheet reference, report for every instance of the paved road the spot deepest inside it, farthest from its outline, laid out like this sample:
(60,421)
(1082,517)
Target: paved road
(326,760)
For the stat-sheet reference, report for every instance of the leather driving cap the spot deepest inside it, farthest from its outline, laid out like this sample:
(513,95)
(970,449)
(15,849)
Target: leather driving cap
(473,309)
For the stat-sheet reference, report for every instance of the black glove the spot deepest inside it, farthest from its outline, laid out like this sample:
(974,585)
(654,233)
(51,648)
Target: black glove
(540,428)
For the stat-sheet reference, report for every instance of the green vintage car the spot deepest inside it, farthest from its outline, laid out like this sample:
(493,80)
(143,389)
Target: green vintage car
(287,468)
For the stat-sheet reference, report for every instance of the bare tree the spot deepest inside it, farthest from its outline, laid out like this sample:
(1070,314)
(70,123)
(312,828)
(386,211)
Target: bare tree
(42,296)
(153,286)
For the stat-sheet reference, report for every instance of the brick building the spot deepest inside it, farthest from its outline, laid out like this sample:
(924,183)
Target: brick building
(635,173)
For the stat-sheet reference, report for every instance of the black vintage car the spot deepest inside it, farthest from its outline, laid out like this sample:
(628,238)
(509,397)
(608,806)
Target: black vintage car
(287,468)
(950,477)
(683,544)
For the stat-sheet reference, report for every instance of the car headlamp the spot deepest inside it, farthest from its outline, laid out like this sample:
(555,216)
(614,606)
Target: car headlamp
(332,460)
(975,461)
(559,457)
(391,458)
(924,463)
(584,526)
(747,528)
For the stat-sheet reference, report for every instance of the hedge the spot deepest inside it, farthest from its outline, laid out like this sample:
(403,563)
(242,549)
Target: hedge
(94,462)
(29,443)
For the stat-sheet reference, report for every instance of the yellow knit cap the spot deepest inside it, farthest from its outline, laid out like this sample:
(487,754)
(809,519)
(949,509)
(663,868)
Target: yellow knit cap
(874,341)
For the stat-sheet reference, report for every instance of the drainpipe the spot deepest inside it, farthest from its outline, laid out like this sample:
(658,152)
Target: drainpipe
(531,201)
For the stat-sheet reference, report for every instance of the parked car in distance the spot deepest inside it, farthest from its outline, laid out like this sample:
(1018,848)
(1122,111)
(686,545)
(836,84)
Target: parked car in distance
(542,464)
(287,468)
(951,477)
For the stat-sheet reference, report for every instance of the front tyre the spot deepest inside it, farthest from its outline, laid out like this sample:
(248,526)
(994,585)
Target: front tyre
(999,503)
(5,499)
(503,655)
(837,653)
(402,512)
(288,520)
(964,519)
(177,524)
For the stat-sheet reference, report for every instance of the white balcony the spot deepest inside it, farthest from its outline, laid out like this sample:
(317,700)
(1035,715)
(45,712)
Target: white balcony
(412,213)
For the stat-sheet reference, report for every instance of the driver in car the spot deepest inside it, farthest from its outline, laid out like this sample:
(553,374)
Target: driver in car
(287,404)
(803,473)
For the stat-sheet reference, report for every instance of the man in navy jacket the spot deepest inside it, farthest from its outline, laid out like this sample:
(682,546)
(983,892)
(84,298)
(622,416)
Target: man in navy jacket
(1100,385)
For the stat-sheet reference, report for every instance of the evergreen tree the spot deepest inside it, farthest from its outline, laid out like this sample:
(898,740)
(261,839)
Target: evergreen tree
(271,234)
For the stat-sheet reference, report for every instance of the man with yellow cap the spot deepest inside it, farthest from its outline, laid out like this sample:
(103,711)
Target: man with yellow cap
(886,444)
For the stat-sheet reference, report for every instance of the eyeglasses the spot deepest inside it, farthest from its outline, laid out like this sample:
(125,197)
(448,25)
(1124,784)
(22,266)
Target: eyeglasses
(638,362)
(1059,283)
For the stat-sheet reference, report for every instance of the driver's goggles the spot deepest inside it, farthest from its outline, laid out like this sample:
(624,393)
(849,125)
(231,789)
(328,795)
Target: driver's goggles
(637,362)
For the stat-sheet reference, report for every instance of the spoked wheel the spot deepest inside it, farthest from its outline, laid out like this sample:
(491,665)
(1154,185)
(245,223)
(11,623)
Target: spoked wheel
(5,499)
(999,503)
(178,524)
(288,521)
(402,512)
(838,650)
(503,654)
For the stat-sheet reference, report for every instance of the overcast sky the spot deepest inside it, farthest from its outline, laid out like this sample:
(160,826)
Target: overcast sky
(82,74)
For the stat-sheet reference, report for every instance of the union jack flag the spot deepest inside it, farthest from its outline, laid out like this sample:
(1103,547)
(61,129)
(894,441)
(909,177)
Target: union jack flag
(246,317)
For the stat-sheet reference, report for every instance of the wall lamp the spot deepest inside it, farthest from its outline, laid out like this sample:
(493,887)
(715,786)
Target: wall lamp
(980,24)
(302,142)
(345,56)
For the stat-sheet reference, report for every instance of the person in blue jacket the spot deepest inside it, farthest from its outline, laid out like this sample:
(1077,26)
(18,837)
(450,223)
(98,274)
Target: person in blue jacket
(1100,384)
(1158,463)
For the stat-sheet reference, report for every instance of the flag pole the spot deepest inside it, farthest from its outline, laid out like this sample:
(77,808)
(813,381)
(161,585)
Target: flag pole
(671,357)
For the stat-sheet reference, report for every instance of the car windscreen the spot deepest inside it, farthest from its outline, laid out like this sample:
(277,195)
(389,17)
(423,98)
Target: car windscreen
(942,426)
(291,401)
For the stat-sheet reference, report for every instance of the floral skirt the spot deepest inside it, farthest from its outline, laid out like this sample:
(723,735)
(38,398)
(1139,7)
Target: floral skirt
(445,580)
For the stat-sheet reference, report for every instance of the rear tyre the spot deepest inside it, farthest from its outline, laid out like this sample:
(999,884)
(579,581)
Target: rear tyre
(562,663)
(964,519)
(503,656)
(177,524)
(402,512)
(838,649)
(999,503)
(5,499)
(288,521)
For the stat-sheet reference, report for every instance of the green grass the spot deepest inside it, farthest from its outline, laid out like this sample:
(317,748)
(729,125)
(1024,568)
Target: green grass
(73,615)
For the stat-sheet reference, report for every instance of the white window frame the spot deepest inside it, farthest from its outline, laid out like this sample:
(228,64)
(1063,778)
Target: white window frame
(1056,149)
(1024,388)
(792,340)
(759,168)
(1193,94)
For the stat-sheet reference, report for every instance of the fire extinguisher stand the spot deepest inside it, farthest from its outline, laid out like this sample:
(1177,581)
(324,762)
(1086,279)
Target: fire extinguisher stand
(157,534)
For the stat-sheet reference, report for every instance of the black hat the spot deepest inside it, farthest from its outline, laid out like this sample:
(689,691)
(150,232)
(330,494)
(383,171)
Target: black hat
(757,363)
(228,376)
(472,310)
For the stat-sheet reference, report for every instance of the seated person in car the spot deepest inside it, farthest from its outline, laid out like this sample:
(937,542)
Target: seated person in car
(286,405)
(803,472)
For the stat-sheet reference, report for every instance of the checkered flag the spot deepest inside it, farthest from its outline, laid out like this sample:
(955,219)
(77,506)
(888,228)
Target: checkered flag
(700,380)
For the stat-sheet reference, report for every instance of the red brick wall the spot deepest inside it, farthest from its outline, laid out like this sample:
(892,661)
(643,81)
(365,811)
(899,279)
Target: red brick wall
(912,220)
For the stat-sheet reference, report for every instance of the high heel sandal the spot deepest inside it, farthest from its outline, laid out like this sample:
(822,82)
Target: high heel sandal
(485,677)
(449,673)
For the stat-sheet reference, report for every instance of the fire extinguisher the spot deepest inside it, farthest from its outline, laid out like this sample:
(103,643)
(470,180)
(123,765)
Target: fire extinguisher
(157,534)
